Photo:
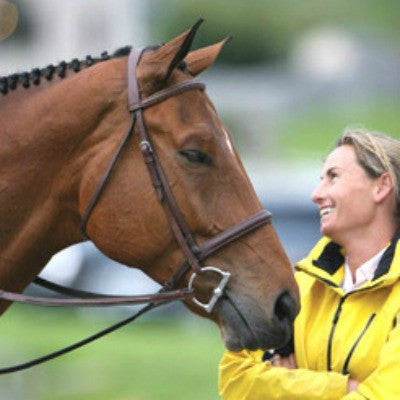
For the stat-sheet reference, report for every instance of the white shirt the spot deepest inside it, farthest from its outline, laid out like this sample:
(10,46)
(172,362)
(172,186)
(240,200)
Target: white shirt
(364,273)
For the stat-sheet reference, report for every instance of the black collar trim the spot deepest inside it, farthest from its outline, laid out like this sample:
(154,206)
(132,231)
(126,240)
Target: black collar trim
(387,257)
(331,259)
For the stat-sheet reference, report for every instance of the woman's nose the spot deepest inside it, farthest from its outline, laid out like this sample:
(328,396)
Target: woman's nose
(317,194)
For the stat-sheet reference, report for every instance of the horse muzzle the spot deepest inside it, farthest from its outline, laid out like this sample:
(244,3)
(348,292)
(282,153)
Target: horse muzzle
(246,325)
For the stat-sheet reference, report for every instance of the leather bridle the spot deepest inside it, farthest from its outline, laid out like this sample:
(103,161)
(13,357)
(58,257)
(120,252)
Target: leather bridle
(194,253)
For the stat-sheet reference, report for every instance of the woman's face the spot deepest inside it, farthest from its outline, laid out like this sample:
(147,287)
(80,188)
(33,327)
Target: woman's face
(345,196)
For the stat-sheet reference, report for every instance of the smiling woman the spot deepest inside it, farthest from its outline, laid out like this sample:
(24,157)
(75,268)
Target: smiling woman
(345,178)
(347,333)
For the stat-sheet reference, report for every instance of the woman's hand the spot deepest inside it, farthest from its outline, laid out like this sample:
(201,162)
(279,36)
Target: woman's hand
(352,385)
(286,362)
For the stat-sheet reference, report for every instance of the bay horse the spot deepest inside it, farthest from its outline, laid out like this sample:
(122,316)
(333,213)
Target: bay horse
(60,127)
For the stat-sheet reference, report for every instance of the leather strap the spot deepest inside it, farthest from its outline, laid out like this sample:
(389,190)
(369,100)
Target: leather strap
(67,291)
(104,180)
(232,234)
(80,343)
(165,94)
(160,182)
(97,301)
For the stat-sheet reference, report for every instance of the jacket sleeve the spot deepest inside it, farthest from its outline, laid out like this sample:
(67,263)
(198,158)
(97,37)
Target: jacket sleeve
(383,383)
(244,376)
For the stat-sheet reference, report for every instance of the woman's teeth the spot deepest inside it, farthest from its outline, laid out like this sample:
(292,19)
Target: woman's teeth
(325,211)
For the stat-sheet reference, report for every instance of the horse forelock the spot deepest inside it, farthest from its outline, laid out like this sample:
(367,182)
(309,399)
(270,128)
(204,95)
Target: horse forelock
(36,75)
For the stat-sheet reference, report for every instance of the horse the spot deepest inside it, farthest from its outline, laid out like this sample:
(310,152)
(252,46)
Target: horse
(60,127)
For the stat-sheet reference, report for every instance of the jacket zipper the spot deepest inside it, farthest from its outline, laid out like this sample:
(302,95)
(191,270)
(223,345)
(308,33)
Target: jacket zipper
(345,369)
(332,332)
(335,320)
(334,323)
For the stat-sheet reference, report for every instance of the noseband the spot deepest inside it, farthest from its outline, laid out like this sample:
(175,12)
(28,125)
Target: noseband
(193,252)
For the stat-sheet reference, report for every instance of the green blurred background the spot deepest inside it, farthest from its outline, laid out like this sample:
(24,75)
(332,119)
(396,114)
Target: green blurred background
(294,76)
(156,358)
(341,57)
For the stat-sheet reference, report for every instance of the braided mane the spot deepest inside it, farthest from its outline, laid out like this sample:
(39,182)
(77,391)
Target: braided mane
(34,77)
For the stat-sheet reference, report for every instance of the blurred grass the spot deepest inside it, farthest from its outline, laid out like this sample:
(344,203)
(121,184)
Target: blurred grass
(156,358)
(265,30)
(312,133)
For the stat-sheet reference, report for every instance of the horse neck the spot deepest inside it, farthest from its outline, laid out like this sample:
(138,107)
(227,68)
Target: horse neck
(43,149)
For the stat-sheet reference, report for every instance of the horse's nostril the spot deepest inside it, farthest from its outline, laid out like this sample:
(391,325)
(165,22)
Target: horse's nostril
(285,308)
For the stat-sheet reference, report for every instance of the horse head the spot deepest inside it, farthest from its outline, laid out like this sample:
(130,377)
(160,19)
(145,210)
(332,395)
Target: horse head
(59,131)
(212,192)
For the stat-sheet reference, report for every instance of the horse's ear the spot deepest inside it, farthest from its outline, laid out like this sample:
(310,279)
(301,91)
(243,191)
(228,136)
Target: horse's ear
(172,53)
(199,60)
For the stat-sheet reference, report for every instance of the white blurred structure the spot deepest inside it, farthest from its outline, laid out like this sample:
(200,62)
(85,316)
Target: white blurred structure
(326,53)
(52,31)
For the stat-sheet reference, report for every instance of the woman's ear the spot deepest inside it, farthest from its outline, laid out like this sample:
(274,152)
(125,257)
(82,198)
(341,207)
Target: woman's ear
(383,187)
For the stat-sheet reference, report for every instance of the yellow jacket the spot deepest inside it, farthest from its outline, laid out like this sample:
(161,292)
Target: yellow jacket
(337,336)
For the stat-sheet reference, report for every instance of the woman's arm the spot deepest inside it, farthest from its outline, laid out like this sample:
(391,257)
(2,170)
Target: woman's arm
(289,362)
(383,383)
(244,376)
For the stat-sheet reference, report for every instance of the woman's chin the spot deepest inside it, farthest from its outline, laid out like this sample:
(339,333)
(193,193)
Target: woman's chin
(326,230)
(331,233)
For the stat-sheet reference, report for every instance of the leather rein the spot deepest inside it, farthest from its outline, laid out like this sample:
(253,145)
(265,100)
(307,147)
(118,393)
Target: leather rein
(193,252)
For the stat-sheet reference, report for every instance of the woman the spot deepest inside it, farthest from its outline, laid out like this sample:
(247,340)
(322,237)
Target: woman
(347,334)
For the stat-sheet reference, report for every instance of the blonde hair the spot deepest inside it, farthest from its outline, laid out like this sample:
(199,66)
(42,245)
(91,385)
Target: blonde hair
(377,153)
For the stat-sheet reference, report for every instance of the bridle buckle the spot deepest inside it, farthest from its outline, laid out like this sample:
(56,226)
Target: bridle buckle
(217,292)
(145,147)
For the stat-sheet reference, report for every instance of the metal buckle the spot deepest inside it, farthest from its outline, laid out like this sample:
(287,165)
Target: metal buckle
(145,147)
(218,291)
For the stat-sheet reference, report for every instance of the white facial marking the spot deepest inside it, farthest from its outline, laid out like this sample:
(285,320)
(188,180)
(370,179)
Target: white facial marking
(228,141)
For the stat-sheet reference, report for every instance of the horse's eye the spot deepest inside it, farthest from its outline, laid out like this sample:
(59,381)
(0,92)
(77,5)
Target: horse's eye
(196,156)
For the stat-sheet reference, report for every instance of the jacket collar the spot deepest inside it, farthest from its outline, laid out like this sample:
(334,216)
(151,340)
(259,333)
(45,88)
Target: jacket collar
(326,260)
(387,257)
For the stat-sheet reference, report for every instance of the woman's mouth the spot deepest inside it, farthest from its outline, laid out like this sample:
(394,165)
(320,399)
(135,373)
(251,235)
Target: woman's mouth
(325,211)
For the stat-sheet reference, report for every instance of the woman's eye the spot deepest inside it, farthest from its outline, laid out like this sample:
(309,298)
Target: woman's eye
(196,156)
(333,176)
